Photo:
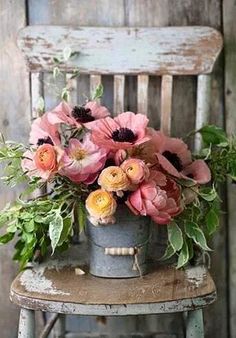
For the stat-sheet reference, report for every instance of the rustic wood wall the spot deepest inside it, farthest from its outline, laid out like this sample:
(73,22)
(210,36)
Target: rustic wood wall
(220,318)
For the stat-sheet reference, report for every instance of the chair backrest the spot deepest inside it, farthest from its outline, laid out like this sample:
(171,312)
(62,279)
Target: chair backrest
(122,51)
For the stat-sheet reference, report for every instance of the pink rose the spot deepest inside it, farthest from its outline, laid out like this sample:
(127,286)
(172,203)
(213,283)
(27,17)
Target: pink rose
(151,200)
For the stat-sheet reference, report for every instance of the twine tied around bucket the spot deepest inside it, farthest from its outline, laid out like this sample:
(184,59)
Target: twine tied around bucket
(131,251)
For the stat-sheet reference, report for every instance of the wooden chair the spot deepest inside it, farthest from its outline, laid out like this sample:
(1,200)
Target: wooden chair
(165,52)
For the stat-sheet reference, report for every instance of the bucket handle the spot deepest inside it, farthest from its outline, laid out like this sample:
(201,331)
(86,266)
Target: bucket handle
(121,251)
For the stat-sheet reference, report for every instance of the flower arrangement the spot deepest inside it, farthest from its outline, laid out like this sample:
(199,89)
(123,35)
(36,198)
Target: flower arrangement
(81,162)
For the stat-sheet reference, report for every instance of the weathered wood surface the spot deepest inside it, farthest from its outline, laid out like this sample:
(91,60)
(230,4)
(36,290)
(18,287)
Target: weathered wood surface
(14,124)
(141,13)
(177,50)
(229,14)
(54,287)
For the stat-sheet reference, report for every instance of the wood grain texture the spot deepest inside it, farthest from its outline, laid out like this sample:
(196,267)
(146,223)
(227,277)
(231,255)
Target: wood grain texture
(192,50)
(203,106)
(144,13)
(229,13)
(163,290)
(166,103)
(14,124)
(142,94)
(119,93)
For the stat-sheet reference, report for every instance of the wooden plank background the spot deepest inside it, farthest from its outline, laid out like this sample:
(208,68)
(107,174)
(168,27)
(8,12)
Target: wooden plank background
(220,318)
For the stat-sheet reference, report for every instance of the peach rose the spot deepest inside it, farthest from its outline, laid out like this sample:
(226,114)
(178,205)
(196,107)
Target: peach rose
(136,170)
(114,179)
(101,206)
(45,157)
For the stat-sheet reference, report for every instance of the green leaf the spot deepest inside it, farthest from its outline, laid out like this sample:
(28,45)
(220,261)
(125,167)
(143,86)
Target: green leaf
(56,60)
(212,221)
(98,93)
(193,231)
(56,72)
(55,230)
(169,252)
(65,94)
(183,256)
(175,236)
(29,226)
(12,227)
(67,227)
(82,217)
(212,134)
(40,104)
(67,53)
(6,238)
(208,194)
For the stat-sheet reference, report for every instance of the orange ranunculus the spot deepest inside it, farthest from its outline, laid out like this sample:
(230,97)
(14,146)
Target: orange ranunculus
(136,170)
(46,158)
(114,179)
(101,206)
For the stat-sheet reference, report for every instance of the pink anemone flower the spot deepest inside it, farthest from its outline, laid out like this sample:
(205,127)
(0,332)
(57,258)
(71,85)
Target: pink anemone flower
(42,131)
(198,171)
(79,115)
(151,200)
(122,132)
(82,161)
(172,153)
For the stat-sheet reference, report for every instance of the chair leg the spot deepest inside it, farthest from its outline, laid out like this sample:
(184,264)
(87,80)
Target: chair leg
(194,324)
(26,324)
(59,329)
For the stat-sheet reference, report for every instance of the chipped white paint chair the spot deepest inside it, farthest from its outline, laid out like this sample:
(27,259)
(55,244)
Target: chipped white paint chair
(120,51)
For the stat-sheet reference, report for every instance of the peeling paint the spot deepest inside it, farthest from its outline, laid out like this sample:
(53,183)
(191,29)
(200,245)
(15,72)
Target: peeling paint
(196,275)
(34,280)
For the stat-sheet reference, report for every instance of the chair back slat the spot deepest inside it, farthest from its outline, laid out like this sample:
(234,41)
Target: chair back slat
(166,103)
(123,50)
(36,92)
(142,94)
(119,94)
(72,86)
(203,106)
(95,81)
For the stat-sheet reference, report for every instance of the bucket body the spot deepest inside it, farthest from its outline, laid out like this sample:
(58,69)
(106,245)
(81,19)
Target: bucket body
(119,250)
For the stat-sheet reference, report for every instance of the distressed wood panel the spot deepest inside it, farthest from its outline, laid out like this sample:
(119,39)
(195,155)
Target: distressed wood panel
(14,124)
(229,14)
(156,292)
(142,94)
(189,50)
(166,103)
(145,13)
(119,92)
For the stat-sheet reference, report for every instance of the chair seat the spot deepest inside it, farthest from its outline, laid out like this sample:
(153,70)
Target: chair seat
(54,287)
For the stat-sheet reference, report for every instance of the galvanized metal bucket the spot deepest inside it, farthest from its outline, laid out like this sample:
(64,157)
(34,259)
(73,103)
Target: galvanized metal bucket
(119,250)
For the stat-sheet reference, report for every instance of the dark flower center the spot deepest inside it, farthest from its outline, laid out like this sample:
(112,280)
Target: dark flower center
(42,141)
(190,176)
(123,135)
(173,159)
(82,114)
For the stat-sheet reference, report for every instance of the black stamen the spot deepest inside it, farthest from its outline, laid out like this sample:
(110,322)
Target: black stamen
(82,114)
(124,135)
(42,141)
(173,159)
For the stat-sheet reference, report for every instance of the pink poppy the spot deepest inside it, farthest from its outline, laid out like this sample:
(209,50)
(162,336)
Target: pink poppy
(42,131)
(198,171)
(151,200)
(79,115)
(82,161)
(122,132)
(172,153)
(45,162)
